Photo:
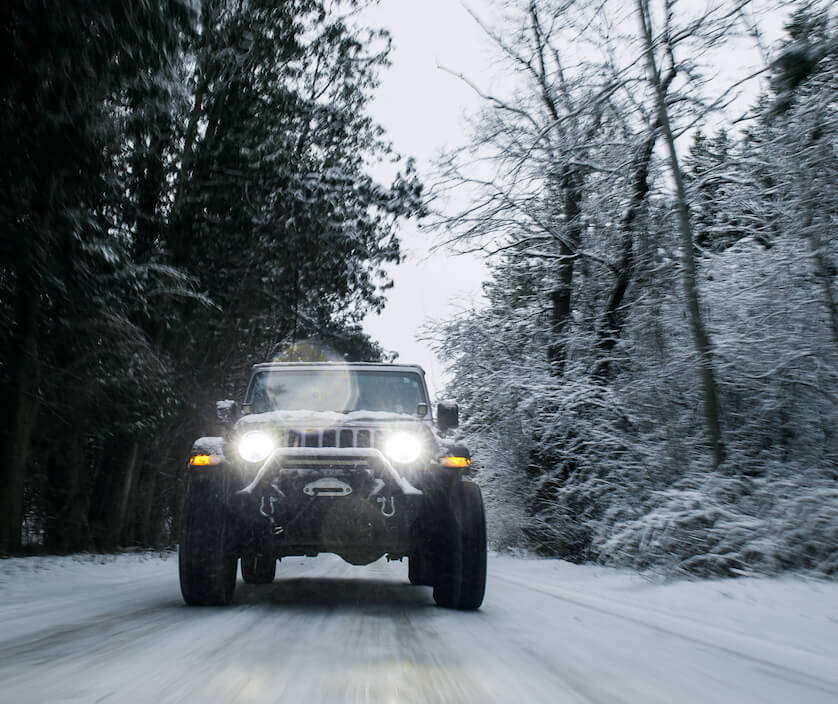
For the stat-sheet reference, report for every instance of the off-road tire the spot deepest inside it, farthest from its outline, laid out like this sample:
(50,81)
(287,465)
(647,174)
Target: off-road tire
(206,561)
(420,569)
(257,568)
(459,578)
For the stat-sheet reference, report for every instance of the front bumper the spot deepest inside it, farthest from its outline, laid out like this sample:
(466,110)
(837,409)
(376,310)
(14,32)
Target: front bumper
(289,463)
(303,500)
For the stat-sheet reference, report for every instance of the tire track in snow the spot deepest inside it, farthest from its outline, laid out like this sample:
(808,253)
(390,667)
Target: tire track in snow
(637,615)
(326,631)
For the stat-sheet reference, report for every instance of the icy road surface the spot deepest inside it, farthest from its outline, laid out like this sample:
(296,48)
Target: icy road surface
(115,630)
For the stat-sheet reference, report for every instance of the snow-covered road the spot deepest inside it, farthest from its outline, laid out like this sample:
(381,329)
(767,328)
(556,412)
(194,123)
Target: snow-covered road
(115,630)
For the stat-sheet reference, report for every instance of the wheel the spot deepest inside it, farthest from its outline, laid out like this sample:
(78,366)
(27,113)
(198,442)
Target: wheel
(459,578)
(420,569)
(206,562)
(258,568)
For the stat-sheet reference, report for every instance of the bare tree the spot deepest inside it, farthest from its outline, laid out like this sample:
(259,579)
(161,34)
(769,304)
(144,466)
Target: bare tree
(526,170)
(701,339)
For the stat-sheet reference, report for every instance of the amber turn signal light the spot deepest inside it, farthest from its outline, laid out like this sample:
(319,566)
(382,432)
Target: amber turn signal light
(458,462)
(201,460)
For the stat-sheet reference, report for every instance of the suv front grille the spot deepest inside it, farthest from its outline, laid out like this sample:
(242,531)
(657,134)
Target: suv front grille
(330,437)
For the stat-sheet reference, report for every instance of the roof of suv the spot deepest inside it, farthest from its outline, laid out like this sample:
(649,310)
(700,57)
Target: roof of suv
(266,366)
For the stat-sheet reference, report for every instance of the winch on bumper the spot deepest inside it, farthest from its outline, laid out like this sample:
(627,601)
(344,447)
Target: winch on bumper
(330,499)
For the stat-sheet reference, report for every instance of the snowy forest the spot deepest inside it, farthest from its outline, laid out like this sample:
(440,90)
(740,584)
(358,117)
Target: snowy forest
(651,379)
(185,192)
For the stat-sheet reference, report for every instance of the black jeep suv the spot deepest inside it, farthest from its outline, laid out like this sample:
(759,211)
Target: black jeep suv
(333,457)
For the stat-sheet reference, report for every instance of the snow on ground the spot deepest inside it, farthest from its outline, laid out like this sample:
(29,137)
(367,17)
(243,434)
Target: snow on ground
(790,612)
(114,629)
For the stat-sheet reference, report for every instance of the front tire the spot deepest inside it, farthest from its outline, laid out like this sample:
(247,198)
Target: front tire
(459,579)
(258,568)
(206,562)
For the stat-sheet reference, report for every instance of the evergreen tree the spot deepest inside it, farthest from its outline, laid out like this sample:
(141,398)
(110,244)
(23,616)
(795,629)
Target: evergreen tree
(189,193)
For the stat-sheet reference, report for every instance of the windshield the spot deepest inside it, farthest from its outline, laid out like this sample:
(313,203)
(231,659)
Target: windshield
(339,390)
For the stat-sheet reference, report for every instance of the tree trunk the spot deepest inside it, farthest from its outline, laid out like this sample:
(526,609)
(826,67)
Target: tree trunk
(149,194)
(560,296)
(148,485)
(128,535)
(701,339)
(155,519)
(180,243)
(110,491)
(611,325)
(67,528)
(19,401)
(116,510)
(824,272)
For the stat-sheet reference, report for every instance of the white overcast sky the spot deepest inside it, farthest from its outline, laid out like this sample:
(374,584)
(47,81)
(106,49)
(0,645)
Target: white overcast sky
(422,109)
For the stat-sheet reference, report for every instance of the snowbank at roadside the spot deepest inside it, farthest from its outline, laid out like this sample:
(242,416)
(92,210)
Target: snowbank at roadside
(788,611)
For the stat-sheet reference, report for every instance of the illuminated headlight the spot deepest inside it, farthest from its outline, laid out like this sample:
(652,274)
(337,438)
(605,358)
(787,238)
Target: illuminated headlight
(255,446)
(403,448)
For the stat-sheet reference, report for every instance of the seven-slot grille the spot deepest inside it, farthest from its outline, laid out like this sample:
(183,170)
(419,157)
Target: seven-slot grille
(331,437)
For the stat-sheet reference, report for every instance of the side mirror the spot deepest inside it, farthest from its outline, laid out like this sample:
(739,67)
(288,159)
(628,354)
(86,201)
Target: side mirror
(421,409)
(226,412)
(447,415)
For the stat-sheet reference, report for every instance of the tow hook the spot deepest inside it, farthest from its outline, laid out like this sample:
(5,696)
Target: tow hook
(266,508)
(383,501)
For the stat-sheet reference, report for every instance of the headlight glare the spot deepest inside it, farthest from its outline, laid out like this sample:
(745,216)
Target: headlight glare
(403,448)
(255,446)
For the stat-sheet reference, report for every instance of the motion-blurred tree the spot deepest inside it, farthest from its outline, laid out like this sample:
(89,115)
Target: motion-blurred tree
(188,190)
(64,74)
